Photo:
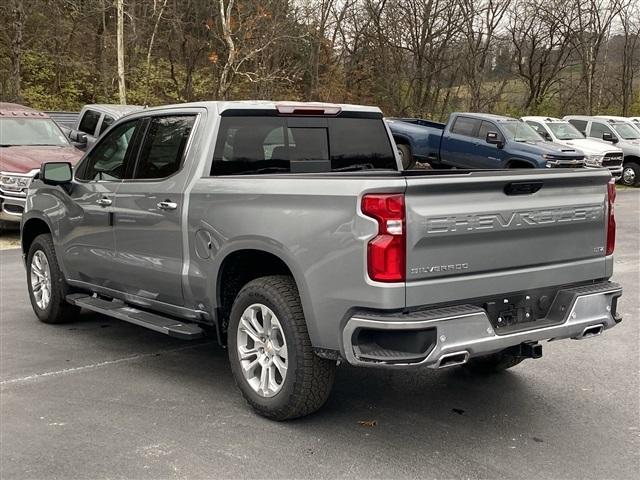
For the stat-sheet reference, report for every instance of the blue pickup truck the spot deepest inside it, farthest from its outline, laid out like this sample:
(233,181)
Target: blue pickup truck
(478,140)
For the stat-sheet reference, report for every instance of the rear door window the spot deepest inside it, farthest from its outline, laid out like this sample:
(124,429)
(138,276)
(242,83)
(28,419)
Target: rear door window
(465,126)
(266,144)
(163,146)
(89,122)
(486,127)
(538,128)
(581,125)
(597,129)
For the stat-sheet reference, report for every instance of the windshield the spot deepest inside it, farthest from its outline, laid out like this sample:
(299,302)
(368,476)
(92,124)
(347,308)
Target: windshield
(30,131)
(626,131)
(520,132)
(565,131)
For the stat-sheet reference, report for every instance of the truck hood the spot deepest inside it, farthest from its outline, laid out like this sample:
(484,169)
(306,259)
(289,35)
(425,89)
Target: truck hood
(23,159)
(630,143)
(591,147)
(550,148)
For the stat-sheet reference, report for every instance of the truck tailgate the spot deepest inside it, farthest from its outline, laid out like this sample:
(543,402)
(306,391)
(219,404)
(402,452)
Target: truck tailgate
(483,233)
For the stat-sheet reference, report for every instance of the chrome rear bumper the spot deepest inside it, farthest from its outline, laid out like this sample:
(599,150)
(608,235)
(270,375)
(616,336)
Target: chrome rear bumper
(463,332)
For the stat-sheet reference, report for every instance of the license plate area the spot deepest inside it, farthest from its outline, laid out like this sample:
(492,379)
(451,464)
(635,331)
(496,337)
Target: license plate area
(522,311)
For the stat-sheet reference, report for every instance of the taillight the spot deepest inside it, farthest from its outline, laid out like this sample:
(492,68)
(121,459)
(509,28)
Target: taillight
(611,220)
(386,252)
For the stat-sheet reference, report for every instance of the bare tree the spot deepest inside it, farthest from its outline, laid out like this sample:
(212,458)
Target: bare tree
(630,24)
(541,45)
(17,15)
(158,16)
(247,31)
(590,22)
(481,20)
(122,89)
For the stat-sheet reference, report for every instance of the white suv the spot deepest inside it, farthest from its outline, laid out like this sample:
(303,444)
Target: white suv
(596,153)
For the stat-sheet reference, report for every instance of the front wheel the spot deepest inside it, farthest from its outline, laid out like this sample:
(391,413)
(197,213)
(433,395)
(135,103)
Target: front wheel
(630,174)
(47,286)
(270,352)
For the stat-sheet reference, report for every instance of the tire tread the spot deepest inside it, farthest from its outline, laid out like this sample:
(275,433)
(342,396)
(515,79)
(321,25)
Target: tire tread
(314,378)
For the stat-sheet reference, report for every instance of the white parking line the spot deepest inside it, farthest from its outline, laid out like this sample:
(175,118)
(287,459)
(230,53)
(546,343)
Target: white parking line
(37,376)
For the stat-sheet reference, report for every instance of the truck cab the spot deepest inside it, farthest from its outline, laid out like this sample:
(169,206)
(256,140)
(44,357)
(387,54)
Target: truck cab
(93,120)
(616,131)
(597,154)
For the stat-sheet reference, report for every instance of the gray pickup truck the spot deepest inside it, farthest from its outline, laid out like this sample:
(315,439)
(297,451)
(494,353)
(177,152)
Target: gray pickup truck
(290,233)
(93,120)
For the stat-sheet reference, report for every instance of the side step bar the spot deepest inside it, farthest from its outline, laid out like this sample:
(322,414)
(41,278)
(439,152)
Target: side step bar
(122,311)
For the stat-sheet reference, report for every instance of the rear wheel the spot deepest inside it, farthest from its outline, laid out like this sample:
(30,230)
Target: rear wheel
(496,362)
(270,352)
(408,161)
(47,286)
(630,174)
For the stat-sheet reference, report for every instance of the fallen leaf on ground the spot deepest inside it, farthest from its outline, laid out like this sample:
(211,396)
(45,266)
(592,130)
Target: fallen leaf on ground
(368,423)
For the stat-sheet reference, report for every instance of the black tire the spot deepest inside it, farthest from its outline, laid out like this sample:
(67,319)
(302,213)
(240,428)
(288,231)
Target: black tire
(630,174)
(58,310)
(309,378)
(408,162)
(494,363)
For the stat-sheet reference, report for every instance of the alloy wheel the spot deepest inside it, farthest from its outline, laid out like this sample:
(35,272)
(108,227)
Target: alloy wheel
(41,279)
(262,350)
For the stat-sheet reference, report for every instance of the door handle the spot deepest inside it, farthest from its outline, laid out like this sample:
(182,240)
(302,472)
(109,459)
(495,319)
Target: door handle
(104,202)
(167,205)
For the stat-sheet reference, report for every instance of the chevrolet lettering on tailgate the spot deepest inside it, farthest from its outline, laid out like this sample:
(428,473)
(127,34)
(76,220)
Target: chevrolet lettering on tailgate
(517,219)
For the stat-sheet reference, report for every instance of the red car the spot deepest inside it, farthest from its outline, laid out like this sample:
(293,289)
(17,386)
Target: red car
(28,138)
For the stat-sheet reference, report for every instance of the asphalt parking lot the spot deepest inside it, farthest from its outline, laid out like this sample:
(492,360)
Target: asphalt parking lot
(104,399)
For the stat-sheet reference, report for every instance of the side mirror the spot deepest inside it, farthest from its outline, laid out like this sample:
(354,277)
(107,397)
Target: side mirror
(607,136)
(494,139)
(56,173)
(547,136)
(78,137)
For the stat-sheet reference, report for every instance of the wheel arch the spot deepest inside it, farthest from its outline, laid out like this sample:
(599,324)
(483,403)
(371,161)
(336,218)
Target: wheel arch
(31,228)
(244,264)
(401,139)
(519,163)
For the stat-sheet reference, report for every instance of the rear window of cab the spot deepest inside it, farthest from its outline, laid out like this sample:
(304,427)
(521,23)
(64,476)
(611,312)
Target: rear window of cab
(249,145)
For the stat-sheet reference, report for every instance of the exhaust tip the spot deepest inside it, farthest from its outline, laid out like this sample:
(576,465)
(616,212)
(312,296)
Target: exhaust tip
(453,359)
(592,331)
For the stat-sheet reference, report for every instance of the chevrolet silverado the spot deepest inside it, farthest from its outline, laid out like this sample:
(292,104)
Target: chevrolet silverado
(290,233)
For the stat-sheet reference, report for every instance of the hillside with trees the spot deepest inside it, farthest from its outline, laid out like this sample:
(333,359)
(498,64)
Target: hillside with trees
(411,57)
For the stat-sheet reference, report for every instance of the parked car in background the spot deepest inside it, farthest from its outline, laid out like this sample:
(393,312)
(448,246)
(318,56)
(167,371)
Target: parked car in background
(65,120)
(596,154)
(93,120)
(635,121)
(479,140)
(617,131)
(290,233)
(28,138)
